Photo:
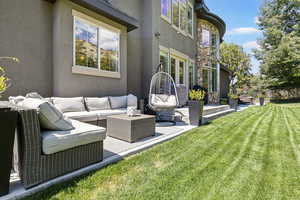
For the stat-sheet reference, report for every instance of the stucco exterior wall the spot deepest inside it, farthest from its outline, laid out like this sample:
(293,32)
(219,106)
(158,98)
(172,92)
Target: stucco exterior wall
(26,33)
(135,61)
(65,82)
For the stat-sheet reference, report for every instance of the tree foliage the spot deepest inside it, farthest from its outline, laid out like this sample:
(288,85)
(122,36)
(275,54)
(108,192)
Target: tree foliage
(280,45)
(239,64)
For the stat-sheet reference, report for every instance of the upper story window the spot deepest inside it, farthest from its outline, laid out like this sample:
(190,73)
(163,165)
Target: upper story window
(96,47)
(190,19)
(175,13)
(166,9)
(183,15)
(205,38)
(179,13)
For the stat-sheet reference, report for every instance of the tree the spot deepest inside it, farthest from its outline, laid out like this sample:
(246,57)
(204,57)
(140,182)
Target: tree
(280,45)
(239,64)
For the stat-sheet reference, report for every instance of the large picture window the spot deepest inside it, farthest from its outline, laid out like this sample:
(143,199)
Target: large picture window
(96,47)
(166,9)
(109,50)
(86,44)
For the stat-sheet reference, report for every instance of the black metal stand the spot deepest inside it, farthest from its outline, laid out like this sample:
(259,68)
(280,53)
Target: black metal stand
(8,123)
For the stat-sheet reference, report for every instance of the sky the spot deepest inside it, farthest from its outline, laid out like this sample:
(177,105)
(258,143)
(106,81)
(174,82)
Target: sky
(240,17)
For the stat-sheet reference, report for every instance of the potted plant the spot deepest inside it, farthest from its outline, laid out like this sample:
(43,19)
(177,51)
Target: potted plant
(262,98)
(196,104)
(233,100)
(8,120)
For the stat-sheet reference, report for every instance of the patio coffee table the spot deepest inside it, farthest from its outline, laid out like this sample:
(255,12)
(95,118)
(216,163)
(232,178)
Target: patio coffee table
(131,129)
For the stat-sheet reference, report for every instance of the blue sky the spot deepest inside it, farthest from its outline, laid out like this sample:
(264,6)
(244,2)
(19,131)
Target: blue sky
(240,17)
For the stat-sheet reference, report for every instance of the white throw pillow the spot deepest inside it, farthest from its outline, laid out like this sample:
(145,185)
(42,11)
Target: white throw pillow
(16,100)
(132,101)
(97,103)
(118,102)
(75,104)
(49,116)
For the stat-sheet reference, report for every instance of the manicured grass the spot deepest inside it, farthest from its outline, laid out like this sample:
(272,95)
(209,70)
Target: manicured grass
(254,154)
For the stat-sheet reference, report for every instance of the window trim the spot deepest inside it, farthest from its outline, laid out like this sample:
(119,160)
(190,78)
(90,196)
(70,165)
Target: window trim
(169,20)
(84,70)
(191,6)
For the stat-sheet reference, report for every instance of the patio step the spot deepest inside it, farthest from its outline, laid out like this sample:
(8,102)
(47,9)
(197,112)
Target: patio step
(211,109)
(207,118)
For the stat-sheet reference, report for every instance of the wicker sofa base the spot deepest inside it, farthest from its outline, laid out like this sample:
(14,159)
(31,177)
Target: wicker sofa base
(59,164)
(35,167)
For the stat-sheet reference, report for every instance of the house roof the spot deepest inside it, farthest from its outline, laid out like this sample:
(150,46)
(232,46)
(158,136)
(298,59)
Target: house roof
(103,7)
(203,12)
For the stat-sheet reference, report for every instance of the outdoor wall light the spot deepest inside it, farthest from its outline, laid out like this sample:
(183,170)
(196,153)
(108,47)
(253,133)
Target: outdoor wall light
(157,35)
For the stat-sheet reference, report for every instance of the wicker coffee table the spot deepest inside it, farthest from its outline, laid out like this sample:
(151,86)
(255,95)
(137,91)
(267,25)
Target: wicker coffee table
(131,129)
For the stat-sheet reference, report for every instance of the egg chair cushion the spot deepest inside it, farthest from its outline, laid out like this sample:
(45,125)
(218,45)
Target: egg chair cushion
(163,101)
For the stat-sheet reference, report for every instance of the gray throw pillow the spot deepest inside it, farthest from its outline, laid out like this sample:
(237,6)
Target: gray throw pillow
(49,116)
(118,102)
(75,104)
(93,104)
(132,101)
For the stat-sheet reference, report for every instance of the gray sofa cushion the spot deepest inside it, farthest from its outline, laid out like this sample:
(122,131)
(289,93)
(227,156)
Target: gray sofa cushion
(132,101)
(103,114)
(57,141)
(97,103)
(83,116)
(49,117)
(75,104)
(118,102)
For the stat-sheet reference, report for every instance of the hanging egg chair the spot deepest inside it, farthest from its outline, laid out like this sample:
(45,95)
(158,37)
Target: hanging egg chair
(163,95)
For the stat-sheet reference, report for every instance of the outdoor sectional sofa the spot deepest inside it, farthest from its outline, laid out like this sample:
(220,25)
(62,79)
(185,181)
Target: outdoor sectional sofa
(47,154)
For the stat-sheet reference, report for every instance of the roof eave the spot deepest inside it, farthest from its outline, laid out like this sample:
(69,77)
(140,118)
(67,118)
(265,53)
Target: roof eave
(204,13)
(108,11)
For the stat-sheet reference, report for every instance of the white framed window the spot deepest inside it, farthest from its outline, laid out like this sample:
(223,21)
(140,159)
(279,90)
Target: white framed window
(205,38)
(183,15)
(190,20)
(175,14)
(191,74)
(178,67)
(166,11)
(96,48)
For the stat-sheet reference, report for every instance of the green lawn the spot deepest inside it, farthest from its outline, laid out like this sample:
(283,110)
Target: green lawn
(254,154)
